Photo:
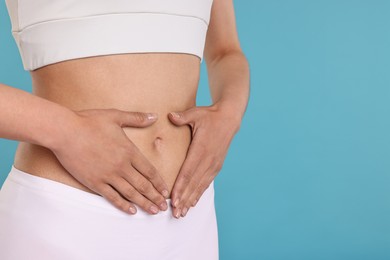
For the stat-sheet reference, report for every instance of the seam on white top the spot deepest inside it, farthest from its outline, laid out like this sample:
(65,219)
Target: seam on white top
(96,15)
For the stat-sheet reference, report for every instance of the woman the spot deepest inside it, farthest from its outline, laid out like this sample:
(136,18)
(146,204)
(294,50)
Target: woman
(115,161)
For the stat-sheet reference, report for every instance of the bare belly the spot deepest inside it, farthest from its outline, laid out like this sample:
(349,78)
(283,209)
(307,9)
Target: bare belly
(147,82)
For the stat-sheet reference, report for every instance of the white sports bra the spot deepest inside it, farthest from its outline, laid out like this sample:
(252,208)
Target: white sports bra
(50,31)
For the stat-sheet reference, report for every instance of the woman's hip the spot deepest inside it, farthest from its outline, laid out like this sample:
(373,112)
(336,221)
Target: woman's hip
(45,219)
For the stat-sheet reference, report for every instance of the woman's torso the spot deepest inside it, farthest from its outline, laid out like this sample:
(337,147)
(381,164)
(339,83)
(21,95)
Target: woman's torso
(145,82)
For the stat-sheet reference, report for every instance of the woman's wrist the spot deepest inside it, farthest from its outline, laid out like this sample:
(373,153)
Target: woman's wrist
(60,130)
(230,112)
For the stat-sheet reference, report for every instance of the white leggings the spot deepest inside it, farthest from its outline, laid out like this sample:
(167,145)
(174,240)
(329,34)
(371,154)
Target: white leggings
(44,219)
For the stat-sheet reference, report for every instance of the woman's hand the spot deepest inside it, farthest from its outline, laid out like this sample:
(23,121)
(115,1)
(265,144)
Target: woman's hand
(213,128)
(97,152)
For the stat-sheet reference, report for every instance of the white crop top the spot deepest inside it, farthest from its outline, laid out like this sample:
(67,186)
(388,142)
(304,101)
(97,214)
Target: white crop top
(50,31)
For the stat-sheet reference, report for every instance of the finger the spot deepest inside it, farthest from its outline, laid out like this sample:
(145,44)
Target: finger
(134,119)
(196,195)
(144,167)
(187,170)
(130,193)
(208,177)
(116,199)
(145,187)
(199,190)
(176,212)
(203,186)
(185,117)
(202,172)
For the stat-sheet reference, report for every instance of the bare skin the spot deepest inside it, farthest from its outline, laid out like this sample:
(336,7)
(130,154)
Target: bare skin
(84,126)
(157,83)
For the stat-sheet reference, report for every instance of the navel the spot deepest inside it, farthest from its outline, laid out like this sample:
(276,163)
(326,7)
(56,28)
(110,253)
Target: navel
(157,143)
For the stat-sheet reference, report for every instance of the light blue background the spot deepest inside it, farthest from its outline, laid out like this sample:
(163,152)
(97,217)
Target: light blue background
(308,175)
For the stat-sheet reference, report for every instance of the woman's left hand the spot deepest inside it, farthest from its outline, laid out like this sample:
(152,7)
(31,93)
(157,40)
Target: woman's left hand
(213,128)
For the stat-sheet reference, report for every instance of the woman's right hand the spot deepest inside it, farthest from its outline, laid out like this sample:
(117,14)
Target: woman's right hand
(97,152)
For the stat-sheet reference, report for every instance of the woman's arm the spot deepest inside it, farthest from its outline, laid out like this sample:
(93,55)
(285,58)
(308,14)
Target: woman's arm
(227,66)
(28,118)
(213,127)
(90,144)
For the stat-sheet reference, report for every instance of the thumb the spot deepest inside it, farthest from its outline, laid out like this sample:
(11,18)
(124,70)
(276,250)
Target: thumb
(181,118)
(135,119)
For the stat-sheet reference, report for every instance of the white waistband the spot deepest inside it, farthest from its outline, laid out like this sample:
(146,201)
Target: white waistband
(65,192)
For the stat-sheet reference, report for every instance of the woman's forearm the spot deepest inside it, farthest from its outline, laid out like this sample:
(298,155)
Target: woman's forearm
(229,81)
(28,118)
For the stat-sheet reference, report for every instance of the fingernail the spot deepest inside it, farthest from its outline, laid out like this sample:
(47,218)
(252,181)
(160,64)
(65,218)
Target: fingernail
(184,212)
(164,206)
(177,213)
(132,210)
(174,114)
(176,203)
(154,209)
(165,193)
(194,203)
(151,116)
